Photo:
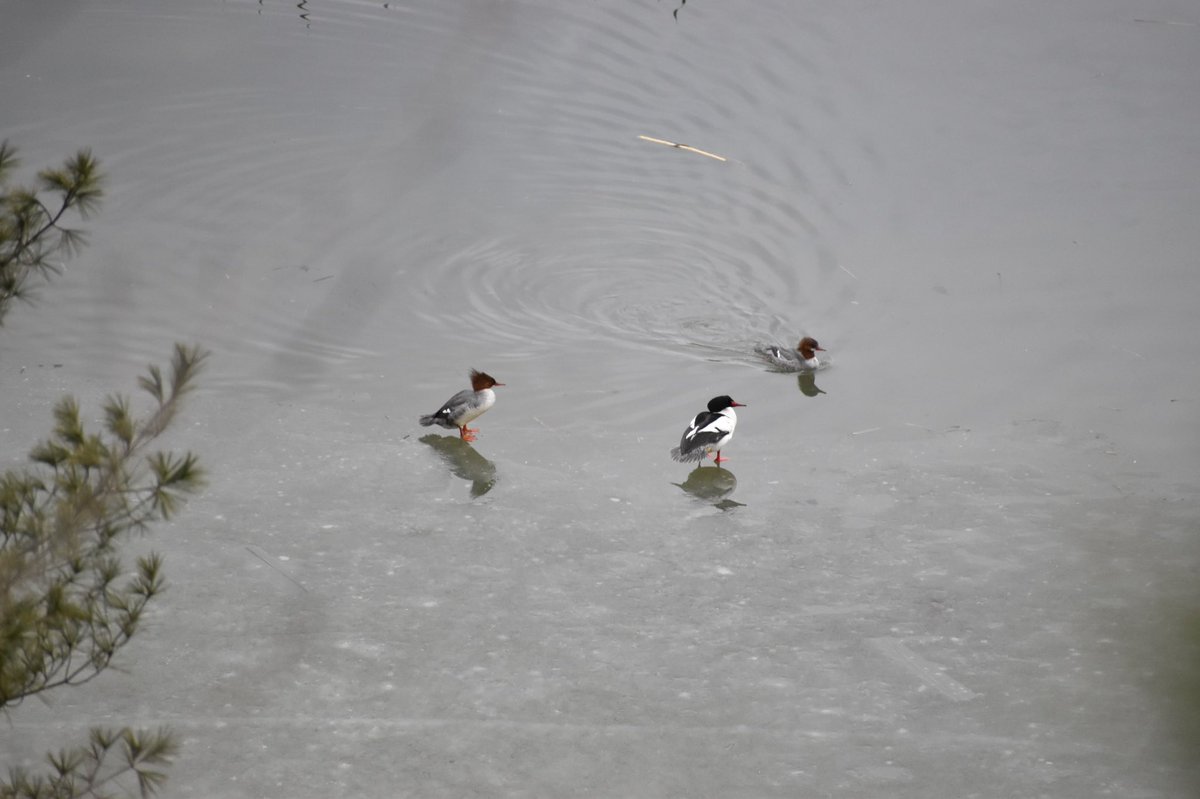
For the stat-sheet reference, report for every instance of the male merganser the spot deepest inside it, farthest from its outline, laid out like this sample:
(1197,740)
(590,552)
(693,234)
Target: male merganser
(710,430)
(804,357)
(465,406)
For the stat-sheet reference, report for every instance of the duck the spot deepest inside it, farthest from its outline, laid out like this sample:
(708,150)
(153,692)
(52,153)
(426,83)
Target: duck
(711,430)
(465,406)
(803,358)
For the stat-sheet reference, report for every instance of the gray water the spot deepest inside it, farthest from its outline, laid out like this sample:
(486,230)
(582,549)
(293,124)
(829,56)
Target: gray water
(961,561)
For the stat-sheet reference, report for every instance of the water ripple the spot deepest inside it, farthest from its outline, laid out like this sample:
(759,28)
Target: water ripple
(384,173)
(639,244)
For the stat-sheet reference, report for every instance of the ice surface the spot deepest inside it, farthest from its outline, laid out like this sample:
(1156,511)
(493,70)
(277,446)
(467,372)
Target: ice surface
(961,561)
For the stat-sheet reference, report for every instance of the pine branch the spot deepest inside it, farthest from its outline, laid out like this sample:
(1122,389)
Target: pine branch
(64,614)
(66,617)
(32,230)
(95,769)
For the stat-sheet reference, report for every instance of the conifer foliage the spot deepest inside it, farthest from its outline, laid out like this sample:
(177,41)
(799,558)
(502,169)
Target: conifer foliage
(68,604)
(32,229)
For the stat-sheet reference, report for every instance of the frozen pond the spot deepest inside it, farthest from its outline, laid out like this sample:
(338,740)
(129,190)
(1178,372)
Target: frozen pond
(961,561)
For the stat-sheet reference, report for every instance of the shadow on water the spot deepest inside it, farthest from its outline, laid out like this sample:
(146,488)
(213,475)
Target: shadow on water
(464,462)
(1169,661)
(711,484)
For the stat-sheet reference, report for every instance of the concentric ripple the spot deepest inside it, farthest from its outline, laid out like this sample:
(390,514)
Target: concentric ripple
(617,239)
(349,179)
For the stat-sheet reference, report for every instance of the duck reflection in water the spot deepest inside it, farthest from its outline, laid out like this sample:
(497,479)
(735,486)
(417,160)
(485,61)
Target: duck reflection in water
(712,485)
(464,462)
(807,381)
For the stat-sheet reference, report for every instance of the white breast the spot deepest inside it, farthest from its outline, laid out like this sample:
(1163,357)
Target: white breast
(483,400)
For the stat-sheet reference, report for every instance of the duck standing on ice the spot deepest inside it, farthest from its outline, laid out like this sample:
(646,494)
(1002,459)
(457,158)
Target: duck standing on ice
(465,406)
(803,358)
(709,431)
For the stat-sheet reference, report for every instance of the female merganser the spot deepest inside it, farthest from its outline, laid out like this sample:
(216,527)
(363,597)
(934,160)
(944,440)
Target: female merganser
(804,357)
(465,406)
(710,430)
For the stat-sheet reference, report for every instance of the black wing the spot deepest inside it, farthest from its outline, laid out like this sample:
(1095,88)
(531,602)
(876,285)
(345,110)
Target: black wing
(706,429)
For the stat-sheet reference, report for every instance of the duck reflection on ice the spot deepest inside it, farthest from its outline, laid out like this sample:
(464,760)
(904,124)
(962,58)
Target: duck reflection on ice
(711,485)
(464,462)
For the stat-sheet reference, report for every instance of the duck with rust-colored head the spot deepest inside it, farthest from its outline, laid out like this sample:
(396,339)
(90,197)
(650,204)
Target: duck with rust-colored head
(465,406)
(803,358)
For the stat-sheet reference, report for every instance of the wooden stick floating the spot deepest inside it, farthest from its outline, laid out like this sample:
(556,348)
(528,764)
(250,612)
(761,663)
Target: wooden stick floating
(687,147)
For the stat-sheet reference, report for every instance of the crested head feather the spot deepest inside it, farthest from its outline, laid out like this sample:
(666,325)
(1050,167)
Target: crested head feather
(481,380)
(807,345)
